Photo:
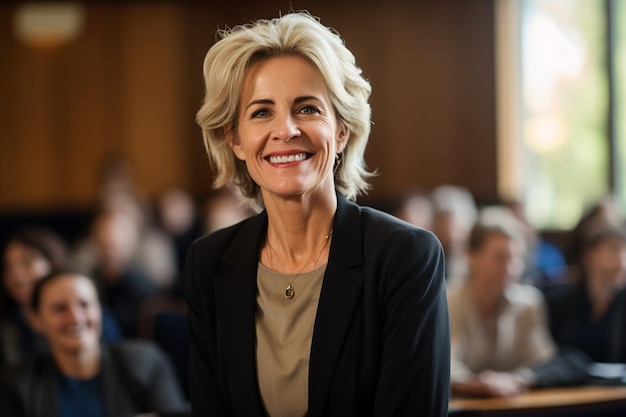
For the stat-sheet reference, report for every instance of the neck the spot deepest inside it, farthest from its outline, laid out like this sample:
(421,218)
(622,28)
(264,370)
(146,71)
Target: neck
(83,365)
(297,227)
(298,235)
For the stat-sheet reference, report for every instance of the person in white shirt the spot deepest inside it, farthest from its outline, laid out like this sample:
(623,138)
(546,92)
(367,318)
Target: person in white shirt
(499,330)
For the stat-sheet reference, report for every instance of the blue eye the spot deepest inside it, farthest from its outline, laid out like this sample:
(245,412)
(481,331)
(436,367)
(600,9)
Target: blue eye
(260,113)
(309,109)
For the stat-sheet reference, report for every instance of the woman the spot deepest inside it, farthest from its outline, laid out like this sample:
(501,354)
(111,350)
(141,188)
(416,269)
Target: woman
(499,329)
(81,377)
(29,254)
(315,306)
(591,314)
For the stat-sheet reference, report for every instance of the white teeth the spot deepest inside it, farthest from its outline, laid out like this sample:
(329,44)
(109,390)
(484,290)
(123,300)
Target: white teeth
(287,158)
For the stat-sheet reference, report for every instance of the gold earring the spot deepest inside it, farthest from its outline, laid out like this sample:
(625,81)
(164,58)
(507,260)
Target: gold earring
(338,159)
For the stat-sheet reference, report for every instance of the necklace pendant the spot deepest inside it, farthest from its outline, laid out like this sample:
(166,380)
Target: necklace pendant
(289,292)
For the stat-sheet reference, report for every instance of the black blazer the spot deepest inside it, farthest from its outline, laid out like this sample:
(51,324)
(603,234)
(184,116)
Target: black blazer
(381,341)
(136,378)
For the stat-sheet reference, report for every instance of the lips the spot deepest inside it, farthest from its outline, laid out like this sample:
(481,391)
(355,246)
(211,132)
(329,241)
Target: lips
(285,159)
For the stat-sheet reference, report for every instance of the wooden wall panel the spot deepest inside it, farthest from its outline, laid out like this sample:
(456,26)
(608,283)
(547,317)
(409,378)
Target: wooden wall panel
(132,82)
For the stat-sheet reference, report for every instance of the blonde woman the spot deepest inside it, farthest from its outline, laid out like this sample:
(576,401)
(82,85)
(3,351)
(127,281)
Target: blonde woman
(316,306)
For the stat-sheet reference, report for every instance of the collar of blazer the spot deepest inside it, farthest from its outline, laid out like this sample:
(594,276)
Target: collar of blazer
(341,291)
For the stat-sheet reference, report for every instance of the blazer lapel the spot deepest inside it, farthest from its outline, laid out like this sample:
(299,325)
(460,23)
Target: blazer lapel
(340,296)
(236,290)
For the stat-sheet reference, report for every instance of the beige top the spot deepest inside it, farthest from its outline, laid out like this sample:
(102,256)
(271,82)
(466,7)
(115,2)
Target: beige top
(284,331)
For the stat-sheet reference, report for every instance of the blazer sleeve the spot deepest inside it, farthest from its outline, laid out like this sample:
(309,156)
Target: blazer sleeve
(204,391)
(415,371)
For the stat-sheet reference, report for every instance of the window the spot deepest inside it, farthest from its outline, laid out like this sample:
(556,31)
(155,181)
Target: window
(559,108)
(619,16)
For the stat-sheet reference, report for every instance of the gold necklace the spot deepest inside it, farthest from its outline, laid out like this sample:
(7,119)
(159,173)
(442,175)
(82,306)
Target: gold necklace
(290,292)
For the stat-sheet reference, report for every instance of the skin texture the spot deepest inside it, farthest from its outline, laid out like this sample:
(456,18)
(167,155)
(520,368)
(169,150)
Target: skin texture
(70,318)
(286,112)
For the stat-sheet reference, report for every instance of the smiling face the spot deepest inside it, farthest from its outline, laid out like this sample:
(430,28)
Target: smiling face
(69,314)
(288,133)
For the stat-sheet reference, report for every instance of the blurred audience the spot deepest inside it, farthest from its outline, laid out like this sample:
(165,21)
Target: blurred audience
(496,262)
(605,210)
(499,330)
(545,262)
(28,255)
(155,253)
(80,376)
(223,208)
(416,208)
(454,213)
(177,216)
(123,285)
(591,313)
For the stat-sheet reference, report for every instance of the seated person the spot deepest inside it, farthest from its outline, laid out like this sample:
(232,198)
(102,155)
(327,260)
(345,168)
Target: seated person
(80,376)
(499,331)
(591,314)
(28,255)
(123,285)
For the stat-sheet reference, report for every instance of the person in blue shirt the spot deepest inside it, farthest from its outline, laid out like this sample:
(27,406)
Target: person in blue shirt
(81,376)
(29,253)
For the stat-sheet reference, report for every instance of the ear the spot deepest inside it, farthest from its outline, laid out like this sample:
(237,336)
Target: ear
(342,137)
(233,142)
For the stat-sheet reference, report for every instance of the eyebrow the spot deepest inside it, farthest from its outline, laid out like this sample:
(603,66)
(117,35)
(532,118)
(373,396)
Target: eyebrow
(269,101)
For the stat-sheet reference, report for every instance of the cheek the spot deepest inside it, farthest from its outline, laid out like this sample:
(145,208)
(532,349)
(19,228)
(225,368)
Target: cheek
(238,151)
(49,323)
(94,314)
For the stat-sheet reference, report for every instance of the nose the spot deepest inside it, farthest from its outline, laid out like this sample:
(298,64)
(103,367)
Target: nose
(286,128)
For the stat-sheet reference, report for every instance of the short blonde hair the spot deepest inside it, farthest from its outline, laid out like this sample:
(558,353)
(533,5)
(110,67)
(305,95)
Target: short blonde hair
(297,34)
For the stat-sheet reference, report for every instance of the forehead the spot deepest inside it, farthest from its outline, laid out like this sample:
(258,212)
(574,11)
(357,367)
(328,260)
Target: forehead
(277,74)
(68,287)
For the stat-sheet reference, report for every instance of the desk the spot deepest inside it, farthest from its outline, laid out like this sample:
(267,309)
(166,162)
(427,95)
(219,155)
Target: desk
(572,401)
